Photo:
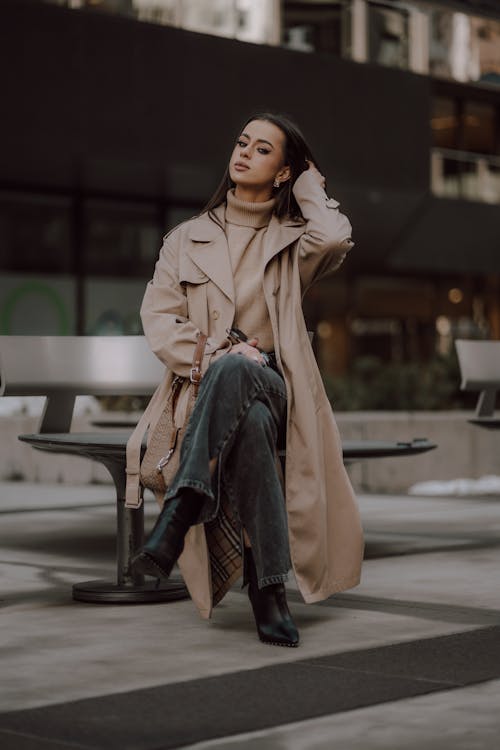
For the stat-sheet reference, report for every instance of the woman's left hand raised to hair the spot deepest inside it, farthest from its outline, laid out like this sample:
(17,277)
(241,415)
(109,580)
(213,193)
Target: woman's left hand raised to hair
(312,168)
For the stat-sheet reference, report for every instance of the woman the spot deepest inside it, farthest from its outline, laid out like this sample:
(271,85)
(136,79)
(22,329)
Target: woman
(245,262)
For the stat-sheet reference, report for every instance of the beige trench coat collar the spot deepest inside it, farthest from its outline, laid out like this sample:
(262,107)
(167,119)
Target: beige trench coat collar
(210,252)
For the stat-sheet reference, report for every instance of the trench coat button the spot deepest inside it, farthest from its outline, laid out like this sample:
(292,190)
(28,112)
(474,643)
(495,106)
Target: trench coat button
(216,315)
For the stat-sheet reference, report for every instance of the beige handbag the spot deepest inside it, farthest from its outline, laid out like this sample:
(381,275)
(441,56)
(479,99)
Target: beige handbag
(161,459)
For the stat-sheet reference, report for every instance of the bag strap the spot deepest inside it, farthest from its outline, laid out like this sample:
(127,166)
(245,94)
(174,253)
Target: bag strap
(195,376)
(133,494)
(133,490)
(195,379)
(176,389)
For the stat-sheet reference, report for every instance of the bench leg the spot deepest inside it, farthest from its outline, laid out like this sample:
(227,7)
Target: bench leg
(128,588)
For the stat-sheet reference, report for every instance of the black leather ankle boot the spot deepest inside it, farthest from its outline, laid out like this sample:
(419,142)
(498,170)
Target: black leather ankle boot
(166,541)
(270,609)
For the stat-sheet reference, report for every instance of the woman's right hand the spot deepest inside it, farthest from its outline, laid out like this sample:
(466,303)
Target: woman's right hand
(248,349)
(312,168)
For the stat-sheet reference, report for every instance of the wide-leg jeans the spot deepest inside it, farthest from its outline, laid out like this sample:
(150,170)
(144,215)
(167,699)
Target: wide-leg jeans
(239,418)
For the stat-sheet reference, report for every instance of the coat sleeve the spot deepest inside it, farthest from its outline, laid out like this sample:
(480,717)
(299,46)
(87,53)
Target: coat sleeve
(327,237)
(164,314)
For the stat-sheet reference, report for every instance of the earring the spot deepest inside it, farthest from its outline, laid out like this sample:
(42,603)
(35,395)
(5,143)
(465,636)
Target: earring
(276,183)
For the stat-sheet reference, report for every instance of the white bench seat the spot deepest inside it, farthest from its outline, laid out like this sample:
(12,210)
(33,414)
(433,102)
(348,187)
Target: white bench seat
(479,363)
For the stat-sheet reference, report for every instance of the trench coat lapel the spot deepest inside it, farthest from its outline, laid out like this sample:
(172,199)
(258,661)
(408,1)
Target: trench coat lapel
(279,235)
(209,250)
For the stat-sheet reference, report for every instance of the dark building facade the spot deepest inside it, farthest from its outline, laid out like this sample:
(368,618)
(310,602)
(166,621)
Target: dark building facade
(113,130)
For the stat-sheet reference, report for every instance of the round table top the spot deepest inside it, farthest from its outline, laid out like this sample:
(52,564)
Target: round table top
(115,442)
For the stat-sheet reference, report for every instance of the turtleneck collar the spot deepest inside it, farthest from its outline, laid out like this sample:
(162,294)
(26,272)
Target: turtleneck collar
(247,214)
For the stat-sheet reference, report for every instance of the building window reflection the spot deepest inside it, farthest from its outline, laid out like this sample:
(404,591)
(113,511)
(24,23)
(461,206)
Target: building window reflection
(465,125)
(479,128)
(112,305)
(316,26)
(445,122)
(121,238)
(388,30)
(248,20)
(35,233)
(464,48)
(466,139)
(487,33)
(37,260)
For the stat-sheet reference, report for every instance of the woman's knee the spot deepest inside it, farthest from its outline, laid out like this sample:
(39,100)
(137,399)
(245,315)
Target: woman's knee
(237,376)
(232,365)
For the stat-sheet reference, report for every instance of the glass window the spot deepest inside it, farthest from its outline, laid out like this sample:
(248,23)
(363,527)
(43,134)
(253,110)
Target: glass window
(250,20)
(478,133)
(440,43)
(258,21)
(475,178)
(486,40)
(35,233)
(121,238)
(446,176)
(445,123)
(217,17)
(316,26)
(112,306)
(37,304)
(465,125)
(466,48)
(388,35)
(157,11)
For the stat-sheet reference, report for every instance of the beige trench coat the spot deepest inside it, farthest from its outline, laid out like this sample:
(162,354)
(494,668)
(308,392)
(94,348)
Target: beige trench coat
(192,290)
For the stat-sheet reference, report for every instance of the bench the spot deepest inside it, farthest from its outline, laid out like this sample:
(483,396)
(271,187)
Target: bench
(62,367)
(479,363)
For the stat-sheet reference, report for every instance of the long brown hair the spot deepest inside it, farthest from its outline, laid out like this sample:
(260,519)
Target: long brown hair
(296,153)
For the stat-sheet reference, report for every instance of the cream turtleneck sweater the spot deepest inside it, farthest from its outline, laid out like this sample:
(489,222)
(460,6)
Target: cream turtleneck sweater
(246,225)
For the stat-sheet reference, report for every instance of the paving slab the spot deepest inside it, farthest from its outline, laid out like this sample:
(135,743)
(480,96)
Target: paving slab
(464,576)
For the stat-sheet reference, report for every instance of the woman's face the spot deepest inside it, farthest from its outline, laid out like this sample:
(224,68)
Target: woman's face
(258,156)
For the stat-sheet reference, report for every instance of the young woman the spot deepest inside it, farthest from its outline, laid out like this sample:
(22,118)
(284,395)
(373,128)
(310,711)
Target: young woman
(266,235)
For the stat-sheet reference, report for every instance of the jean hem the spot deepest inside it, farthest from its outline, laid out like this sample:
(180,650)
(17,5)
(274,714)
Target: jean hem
(193,484)
(270,580)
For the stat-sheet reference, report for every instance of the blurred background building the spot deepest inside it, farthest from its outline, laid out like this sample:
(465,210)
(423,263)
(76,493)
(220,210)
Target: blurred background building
(118,118)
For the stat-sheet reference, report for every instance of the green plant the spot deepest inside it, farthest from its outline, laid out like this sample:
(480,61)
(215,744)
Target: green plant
(374,385)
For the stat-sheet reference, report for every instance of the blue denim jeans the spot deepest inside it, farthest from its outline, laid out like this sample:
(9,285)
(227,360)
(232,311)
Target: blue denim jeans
(240,417)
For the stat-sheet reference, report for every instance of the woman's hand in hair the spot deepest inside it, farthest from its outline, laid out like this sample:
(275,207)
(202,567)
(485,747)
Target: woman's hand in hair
(312,168)
(248,349)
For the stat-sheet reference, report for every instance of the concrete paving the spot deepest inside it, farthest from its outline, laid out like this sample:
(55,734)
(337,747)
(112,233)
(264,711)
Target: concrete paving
(431,571)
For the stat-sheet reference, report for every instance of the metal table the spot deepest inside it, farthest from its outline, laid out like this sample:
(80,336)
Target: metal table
(108,448)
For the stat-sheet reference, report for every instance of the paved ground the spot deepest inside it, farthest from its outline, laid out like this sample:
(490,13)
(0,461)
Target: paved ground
(410,658)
